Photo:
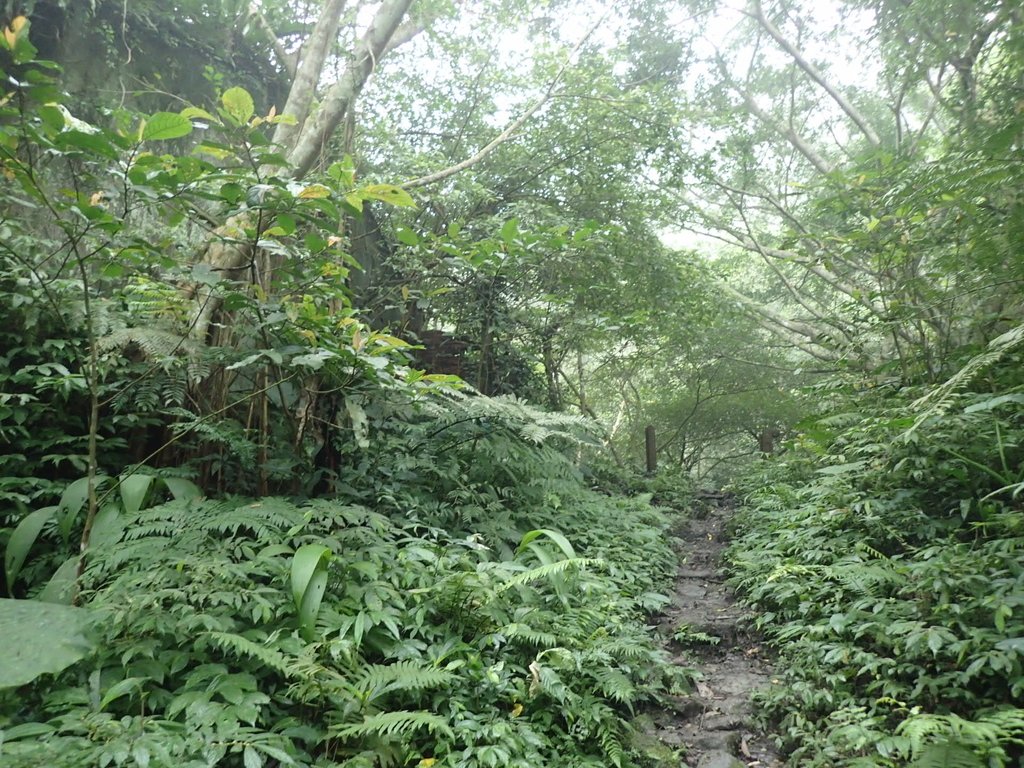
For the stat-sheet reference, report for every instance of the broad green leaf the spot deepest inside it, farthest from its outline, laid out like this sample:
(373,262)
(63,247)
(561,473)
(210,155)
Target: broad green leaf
(995,402)
(73,500)
(90,142)
(133,489)
(107,527)
(162,126)
(21,542)
(52,117)
(26,731)
(251,758)
(121,688)
(510,231)
(181,488)
(560,540)
(842,469)
(308,582)
(195,113)
(388,193)
(40,638)
(60,588)
(406,236)
(238,104)
(1015,644)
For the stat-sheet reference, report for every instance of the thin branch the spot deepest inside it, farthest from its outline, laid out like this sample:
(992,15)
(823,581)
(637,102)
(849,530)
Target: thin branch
(288,60)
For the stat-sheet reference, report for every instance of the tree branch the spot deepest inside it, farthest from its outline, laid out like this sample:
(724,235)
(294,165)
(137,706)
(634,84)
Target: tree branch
(318,128)
(815,74)
(312,58)
(288,60)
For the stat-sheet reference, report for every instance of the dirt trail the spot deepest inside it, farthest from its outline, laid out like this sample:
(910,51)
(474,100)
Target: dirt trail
(713,724)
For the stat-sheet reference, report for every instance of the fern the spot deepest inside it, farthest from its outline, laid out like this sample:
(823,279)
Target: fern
(390,724)
(939,400)
(544,572)
(378,679)
(244,648)
(615,685)
(533,637)
(609,737)
(947,756)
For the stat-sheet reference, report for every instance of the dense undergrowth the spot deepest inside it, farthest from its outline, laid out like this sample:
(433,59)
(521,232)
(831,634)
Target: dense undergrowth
(481,607)
(885,553)
(290,547)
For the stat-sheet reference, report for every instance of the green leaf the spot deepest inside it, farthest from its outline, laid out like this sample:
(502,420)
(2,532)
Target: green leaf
(121,688)
(162,126)
(52,117)
(195,113)
(181,488)
(555,536)
(73,500)
(251,758)
(89,142)
(40,638)
(238,104)
(21,542)
(60,589)
(107,527)
(308,582)
(26,731)
(1015,644)
(406,236)
(994,402)
(510,231)
(133,491)
(388,193)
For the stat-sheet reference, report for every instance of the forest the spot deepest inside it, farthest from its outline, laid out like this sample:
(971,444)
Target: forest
(334,336)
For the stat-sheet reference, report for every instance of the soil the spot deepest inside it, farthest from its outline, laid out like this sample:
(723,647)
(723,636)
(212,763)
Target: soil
(712,727)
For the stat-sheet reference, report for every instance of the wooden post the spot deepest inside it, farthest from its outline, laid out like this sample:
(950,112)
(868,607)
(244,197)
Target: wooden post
(652,450)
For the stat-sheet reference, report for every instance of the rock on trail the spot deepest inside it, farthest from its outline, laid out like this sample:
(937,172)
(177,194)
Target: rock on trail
(704,629)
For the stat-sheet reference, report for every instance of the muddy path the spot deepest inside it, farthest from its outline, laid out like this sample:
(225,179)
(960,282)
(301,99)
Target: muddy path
(705,630)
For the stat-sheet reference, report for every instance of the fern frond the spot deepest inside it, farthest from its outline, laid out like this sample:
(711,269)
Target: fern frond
(388,724)
(243,647)
(611,743)
(155,343)
(947,756)
(534,637)
(939,400)
(542,572)
(378,679)
(615,685)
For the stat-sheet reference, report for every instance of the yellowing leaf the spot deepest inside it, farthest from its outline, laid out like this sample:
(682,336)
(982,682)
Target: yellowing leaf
(314,192)
(426,762)
(13,32)
(517,710)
